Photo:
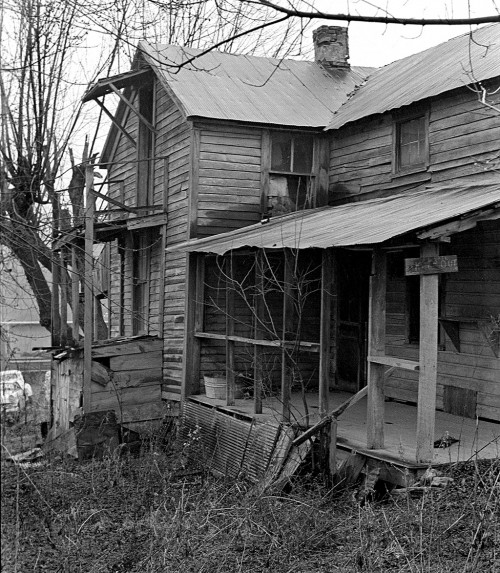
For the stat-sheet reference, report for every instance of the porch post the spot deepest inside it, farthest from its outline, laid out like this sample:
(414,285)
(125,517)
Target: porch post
(195,269)
(259,317)
(376,346)
(230,363)
(325,329)
(286,390)
(88,288)
(427,380)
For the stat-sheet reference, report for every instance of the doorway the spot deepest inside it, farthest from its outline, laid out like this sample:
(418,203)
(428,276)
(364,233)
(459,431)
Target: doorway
(354,269)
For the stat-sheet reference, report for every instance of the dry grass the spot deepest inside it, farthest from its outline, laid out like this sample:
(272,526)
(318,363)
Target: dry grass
(137,514)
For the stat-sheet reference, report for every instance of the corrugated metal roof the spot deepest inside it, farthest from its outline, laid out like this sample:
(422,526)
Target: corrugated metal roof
(248,88)
(364,223)
(460,61)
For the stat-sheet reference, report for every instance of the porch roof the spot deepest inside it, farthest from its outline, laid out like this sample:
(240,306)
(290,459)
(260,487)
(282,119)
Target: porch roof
(367,222)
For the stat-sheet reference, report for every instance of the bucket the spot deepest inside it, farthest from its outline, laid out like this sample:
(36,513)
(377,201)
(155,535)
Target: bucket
(215,387)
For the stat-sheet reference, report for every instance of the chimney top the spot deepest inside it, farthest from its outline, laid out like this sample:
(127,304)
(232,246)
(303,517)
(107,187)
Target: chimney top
(331,47)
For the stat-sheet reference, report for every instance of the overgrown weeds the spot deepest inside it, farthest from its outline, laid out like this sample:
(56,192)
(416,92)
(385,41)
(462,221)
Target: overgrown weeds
(154,513)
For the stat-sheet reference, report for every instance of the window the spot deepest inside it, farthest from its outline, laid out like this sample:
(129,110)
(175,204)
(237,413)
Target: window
(141,256)
(291,179)
(411,144)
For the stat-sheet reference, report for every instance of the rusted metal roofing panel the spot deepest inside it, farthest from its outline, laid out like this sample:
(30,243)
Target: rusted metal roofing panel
(456,63)
(247,88)
(363,223)
(230,446)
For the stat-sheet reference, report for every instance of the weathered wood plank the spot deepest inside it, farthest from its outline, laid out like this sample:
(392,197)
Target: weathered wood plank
(376,345)
(143,361)
(428,360)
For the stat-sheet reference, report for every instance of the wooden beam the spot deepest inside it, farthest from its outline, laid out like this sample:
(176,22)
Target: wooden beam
(376,345)
(75,294)
(426,406)
(195,268)
(88,287)
(132,108)
(194,182)
(117,123)
(258,332)
(304,346)
(286,381)
(113,201)
(163,246)
(265,166)
(64,298)
(325,330)
(463,224)
(230,296)
(395,362)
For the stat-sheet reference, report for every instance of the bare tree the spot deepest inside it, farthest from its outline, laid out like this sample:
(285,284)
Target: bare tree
(44,64)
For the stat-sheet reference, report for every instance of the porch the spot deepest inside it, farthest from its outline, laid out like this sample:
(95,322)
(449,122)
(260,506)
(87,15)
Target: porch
(476,438)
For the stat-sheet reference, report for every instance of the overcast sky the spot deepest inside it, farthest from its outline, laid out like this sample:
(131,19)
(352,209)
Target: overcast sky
(378,44)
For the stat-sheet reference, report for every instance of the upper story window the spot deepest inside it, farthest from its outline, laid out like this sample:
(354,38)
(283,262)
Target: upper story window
(411,145)
(291,182)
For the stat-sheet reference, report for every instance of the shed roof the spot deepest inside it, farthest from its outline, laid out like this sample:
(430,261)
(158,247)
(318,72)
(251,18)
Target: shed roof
(252,89)
(364,223)
(456,63)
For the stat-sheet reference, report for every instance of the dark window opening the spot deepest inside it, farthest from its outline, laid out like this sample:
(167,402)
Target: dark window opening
(141,259)
(291,180)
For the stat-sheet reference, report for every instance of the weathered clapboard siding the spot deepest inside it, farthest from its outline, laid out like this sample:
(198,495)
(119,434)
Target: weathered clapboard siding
(462,133)
(229,188)
(473,293)
(133,390)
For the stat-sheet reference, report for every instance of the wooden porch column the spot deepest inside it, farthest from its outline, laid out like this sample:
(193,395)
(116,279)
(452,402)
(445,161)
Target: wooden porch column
(230,362)
(325,329)
(426,406)
(88,317)
(195,277)
(286,390)
(376,347)
(259,317)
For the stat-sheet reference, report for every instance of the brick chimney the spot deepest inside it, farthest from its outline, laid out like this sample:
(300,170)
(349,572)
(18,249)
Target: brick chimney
(331,47)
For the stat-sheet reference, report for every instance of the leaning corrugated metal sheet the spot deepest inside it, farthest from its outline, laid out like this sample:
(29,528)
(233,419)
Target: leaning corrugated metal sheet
(365,223)
(226,86)
(459,62)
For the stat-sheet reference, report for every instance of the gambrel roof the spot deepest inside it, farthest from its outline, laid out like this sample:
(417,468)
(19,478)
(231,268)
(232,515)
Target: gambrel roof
(461,61)
(251,89)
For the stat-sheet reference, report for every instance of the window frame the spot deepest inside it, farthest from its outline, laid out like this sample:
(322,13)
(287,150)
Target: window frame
(309,176)
(398,121)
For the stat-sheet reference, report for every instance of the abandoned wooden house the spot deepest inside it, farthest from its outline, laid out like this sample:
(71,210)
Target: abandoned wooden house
(285,235)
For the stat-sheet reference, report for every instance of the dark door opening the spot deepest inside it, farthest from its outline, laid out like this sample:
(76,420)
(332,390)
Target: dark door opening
(353,281)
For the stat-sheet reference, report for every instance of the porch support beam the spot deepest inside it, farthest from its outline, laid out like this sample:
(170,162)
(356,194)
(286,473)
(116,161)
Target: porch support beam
(258,331)
(286,390)
(88,288)
(230,362)
(117,123)
(426,406)
(132,108)
(195,277)
(325,329)
(376,345)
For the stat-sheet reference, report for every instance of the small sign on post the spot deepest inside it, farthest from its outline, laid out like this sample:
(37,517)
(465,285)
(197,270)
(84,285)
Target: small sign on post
(431,265)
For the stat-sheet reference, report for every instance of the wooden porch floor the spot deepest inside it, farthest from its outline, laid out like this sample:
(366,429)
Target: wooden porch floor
(481,439)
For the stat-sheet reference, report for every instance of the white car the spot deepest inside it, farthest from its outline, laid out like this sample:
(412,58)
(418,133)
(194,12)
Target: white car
(15,392)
